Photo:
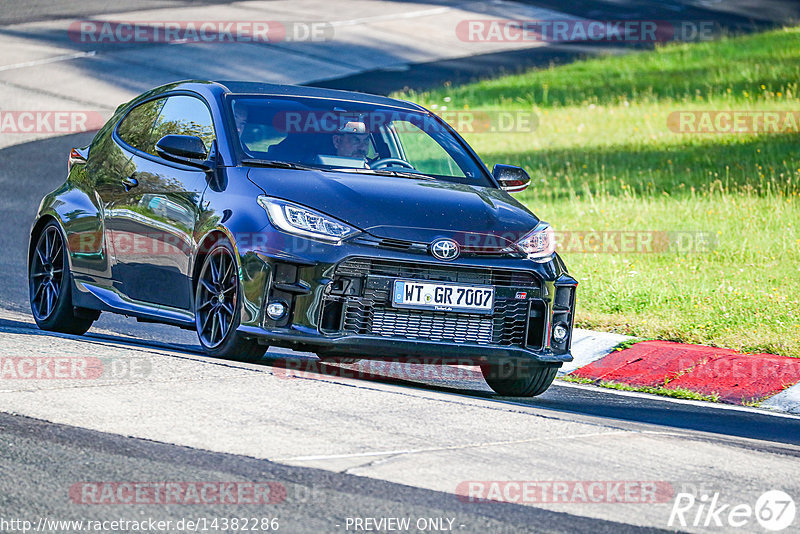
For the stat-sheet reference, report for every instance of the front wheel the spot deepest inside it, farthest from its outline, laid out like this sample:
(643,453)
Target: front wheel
(511,378)
(50,285)
(217,307)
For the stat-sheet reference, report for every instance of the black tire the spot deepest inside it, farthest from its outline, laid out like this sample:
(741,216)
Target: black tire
(217,307)
(50,285)
(511,378)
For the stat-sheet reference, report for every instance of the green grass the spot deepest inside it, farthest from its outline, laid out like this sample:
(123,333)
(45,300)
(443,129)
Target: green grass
(676,393)
(628,343)
(728,69)
(604,159)
(575,379)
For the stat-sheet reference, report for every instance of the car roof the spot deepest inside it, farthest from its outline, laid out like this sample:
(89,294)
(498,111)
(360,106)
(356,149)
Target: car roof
(215,89)
(239,87)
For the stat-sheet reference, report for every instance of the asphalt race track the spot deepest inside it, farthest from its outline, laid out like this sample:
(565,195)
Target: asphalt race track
(316,500)
(29,444)
(19,169)
(355,441)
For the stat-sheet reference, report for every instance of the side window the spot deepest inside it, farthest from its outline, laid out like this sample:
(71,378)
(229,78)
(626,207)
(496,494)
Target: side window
(184,115)
(137,126)
(423,152)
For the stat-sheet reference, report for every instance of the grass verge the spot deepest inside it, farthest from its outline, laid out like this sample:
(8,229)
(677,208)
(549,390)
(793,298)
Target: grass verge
(676,393)
(604,161)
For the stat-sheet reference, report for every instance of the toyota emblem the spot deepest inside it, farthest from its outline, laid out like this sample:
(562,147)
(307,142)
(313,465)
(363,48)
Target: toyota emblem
(444,249)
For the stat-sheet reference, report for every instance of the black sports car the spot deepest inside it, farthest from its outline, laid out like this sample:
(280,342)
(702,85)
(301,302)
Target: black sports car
(350,225)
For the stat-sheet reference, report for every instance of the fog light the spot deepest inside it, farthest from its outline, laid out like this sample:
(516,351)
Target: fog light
(276,310)
(560,333)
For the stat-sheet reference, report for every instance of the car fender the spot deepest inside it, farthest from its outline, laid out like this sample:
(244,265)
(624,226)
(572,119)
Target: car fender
(81,221)
(254,273)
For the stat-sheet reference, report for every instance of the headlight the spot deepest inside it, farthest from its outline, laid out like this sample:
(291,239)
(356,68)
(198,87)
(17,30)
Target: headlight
(539,244)
(299,220)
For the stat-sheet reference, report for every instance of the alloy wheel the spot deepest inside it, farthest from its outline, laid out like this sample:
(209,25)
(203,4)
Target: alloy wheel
(216,297)
(47,271)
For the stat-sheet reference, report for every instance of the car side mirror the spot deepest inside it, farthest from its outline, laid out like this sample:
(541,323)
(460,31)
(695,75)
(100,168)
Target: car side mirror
(186,149)
(511,179)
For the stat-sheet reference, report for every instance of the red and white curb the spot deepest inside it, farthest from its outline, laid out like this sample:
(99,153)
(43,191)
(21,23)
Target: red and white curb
(764,380)
(589,346)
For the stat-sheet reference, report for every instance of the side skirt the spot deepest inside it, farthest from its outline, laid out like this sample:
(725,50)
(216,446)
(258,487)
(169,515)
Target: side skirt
(104,299)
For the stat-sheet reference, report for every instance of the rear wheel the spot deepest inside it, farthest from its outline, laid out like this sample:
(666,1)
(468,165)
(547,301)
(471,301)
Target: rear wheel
(217,307)
(514,378)
(50,285)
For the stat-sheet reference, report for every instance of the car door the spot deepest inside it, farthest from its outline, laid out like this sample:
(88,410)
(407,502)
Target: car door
(115,185)
(153,223)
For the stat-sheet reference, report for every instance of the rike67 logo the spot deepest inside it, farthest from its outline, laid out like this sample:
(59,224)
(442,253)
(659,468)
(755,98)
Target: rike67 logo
(774,510)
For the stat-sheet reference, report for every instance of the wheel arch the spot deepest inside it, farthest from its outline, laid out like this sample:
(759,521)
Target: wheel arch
(37,228)
(252,289)
(204,245)
(80,219)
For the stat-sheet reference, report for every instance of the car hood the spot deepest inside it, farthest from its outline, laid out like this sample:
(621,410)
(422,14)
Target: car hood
(403,208)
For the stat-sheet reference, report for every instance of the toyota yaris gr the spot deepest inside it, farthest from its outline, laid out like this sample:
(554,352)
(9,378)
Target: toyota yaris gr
(340,223)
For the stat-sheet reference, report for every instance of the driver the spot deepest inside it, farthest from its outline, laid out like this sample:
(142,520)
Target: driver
(240,114)
(351,145)
(353,141)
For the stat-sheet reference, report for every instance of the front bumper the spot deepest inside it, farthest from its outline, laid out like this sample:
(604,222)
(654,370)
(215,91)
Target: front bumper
(374,347)
(339,305)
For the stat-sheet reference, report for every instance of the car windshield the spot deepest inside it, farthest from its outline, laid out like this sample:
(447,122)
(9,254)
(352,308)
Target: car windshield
(347,136)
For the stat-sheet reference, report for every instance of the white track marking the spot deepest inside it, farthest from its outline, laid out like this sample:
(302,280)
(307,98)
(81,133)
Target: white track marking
(450,448)
(45,61)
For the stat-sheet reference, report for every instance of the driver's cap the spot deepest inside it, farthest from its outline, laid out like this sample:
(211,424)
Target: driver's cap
(353,127)
(351,123)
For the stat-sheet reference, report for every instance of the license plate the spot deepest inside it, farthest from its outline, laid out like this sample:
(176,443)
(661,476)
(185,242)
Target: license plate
(443,297)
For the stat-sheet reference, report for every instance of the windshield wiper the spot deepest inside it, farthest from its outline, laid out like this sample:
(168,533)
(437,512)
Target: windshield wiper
(386,172)
(278,164)
(298,166)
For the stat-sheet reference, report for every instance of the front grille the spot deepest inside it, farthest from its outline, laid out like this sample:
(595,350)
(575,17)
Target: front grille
(489,249)
(434,327)
(369,312)
(510,318)
(436,272)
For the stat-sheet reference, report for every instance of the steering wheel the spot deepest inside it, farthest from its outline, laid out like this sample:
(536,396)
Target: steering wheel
(387,162)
